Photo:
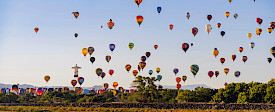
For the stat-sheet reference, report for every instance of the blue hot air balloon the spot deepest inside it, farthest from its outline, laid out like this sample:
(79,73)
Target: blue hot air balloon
(112,47)
(159,77)
(159,9)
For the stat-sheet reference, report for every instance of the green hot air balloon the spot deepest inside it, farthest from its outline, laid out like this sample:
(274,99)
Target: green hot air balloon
(131,45)
(194,69)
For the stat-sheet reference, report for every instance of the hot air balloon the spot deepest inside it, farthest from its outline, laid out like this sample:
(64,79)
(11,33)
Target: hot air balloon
(178,79)
(226,70)
(225,84)
(209,17)
(98,72)
(178,86)
(219,25)
(78,90)
(157,70)
(194,69)
(159,77)
(222,33)
(237,73)
(138,2)
(131,45)
(128,67)
(84,51)
(135,72)
(233,57)
(222,60)
(235,16)
(105,86)
(230,1)
(115,84)
(111,72)
(75,35)
(139,19)
(47,78)
(208,28)
(227,14)
(110,24)
(272,25)
(159,9)
(142,65)
(171,26)
(269,30)
(103,75)
(210,74)
(194,31)
(36,29)
(92,59)
(249,35)
(160,87)
(101,26)
(91,50)
(139,68)
(156,47)
(76,14)
(241,49)
(272,50)
(150,72)
(258,31)
(185,47)
(191,44)
(80,80)
(188,15)
(259,21)
(215,52)
(217,73)
(269,60)
(176,71)
(73,82)
(143,58)
(112,47)
(252,44)
(39,91)
(147,54)
(184,78)
(108,58)
(244,58)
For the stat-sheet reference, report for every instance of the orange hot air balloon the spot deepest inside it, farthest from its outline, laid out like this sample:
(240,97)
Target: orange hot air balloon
(269,30)
(138,2)
(156,47)
(249,35)
(128,67)
(110,24)
(84,51)
(226,70)
(47,78)
(171,26)
(115,84)
(139,19)
(233,57)
(76,14)
(219,25)
(215,52)
(178,79)
(178,86)
(241,49)
(135,72)
(258,31)
(36,29)
(227,14)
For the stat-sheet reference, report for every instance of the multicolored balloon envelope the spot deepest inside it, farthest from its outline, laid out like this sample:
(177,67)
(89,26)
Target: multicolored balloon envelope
(78,90)
(115,84)
(128,67)
(110,24)
(194,31)
(139,19)
(194,69)
(184,78)
(112,47)
(135,72)
(178,79)
(185,47)
(226,70)
(80,80)
(150,72)
(76,14)
(237,73)
(210,74)
(272,50)
(39,91)
(176,71)
(138,2)
(73,82)
(159,77)
(178,86)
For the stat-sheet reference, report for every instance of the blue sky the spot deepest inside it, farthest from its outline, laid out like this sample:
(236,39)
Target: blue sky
(26,57)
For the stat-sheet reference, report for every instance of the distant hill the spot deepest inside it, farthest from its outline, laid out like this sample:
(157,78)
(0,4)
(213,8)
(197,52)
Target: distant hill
(97,87)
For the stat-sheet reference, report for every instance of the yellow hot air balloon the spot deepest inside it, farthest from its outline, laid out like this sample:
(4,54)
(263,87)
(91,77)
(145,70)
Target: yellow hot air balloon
(269,30)
(47,78)
(227,14)
(258,31)
(84,51)
(157,70)
(215,52)
(249,35)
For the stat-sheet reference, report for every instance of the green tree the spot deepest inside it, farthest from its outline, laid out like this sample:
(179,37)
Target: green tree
(270,94)
(243,97)
(257,93)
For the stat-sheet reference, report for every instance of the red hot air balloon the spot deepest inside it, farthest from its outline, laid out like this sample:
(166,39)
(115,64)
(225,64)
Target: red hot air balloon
(110,24)
(111,72)
(209,17)
(226,70)
(241,49)
(225,84)
(194,31)
(259,21)
(244,58)
(171,26)
(178,86)
(73,82)
(210,74)
(156,47)
(217,73)
(222,60)
(36,29)
(233,57)
(178,79)
(185,47)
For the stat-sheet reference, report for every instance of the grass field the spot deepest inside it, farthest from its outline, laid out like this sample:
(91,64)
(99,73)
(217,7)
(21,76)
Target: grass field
(62,109)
